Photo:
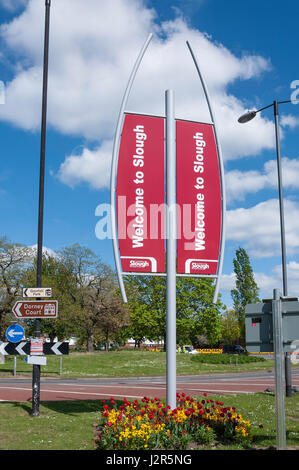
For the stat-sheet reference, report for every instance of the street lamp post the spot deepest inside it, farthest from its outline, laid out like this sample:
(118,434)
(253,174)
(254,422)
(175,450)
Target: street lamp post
(36,367)
(246,118)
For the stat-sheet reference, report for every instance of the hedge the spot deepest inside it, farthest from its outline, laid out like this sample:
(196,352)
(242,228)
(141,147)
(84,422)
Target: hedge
(225,359)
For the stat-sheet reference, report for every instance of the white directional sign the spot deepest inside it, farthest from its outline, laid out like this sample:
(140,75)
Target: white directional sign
(39,360)
(37,292)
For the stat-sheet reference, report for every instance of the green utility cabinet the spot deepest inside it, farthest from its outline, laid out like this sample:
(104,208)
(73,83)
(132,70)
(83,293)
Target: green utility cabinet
(259,325)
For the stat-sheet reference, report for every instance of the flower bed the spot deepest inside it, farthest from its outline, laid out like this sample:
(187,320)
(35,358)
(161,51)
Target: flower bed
(209,351)
(153,425)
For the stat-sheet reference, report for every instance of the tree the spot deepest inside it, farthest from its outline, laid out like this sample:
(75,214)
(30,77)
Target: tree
(93,295)
(110,315)
(86,290)
(195,314)
(142,323)
(54,275)
(230,327)
(14,259)
(246,290)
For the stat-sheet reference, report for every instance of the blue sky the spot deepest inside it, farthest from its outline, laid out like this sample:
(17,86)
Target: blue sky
(248,53)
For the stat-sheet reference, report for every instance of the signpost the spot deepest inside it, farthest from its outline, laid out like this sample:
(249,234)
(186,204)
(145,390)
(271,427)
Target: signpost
(171,245)
(37,360)
(15,349)
(199,198)
(194,187)
(59,348)
(37,292)
(36,347)
(36,309)
(279,370)
(15,333)
(140,163)
(25,348)
(141,209)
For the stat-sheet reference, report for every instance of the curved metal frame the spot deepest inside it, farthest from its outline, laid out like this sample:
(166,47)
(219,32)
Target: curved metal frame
(114,168)
(222,241)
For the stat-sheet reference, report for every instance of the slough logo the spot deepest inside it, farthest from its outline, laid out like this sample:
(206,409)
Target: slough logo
(147,263)
(138,263)
(200,266)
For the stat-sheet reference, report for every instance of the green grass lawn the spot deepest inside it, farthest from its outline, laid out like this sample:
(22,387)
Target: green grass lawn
(126,364)
(69,425)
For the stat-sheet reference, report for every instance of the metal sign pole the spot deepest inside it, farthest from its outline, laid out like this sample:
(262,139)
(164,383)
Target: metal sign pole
(36,368)
(279,371)
(288,376)
(170,250)
(221,168)
(114,169)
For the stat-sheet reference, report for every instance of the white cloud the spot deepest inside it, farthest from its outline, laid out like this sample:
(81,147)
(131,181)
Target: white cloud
(13,5)
(265,282)
(46,251)
(289,121)
(292,277)
(92,167)
(227,282)
(268,282)
(258,228)
(240,183)
(220,69)
(92,55)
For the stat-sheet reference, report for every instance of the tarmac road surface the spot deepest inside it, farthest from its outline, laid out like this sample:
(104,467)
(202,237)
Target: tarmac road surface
(20,389)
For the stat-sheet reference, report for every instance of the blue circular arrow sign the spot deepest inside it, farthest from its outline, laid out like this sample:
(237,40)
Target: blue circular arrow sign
(15,333)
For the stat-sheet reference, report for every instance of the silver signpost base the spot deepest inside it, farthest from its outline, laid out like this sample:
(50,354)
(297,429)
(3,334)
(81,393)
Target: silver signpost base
(171,234)
(279,371)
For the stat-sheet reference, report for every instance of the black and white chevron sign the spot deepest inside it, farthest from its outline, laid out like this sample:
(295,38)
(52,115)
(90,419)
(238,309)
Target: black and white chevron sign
(23,348)
(14,349)
(56,348)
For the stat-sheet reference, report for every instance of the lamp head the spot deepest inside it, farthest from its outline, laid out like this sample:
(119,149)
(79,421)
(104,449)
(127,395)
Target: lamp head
(247,117)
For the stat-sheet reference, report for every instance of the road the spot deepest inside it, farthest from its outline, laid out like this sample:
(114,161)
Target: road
(20,389)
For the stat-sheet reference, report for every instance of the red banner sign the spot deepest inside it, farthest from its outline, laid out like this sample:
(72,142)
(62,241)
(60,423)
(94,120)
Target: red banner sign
(140,195)
(198,199)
